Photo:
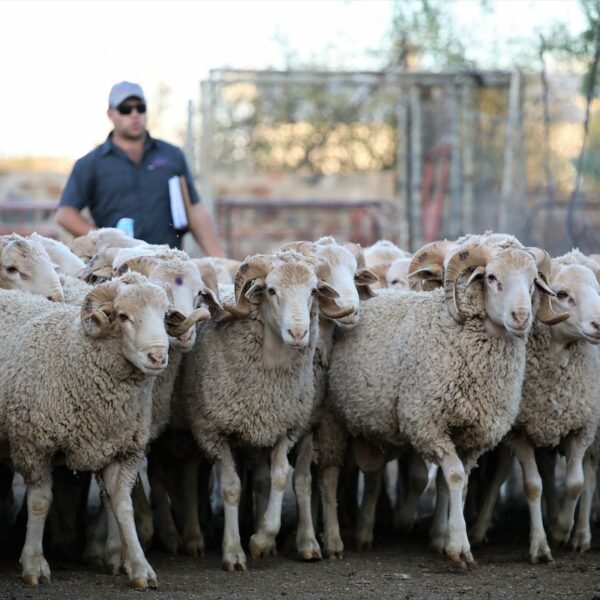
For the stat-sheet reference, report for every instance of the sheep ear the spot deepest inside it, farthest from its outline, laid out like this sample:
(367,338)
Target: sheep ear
(326,290)
(365,277)
(210,298)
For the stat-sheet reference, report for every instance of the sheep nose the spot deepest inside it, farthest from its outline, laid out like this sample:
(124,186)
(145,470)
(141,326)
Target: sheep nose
(296,335)
(520,317)
(157,357)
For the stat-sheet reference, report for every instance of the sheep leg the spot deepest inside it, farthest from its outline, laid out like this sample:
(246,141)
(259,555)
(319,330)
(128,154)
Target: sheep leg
(418,478)
(143,515)
(439,525)
(261,483)
(328,482)
(538,544)
(363,537)
(118,479)
(113,552)
(478,533)
(234,558)
(583,534)
(39,498)
(165,524)
(457,545)
(546,462)
(306,541)
(575,451)
(262,542)
(193,540)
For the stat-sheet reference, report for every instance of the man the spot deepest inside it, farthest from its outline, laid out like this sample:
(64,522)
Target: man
(127,176)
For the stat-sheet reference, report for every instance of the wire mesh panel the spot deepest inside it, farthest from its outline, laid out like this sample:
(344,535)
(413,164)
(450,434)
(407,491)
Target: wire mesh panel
(429,149)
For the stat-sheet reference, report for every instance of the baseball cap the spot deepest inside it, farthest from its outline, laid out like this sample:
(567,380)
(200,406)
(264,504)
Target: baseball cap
(123,90)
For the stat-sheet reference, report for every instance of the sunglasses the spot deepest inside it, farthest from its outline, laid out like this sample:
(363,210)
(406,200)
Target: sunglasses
(126,110)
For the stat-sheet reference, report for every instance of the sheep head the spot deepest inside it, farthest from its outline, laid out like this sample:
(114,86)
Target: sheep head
(25,265)
(426,268)
(132,309)
(508,275)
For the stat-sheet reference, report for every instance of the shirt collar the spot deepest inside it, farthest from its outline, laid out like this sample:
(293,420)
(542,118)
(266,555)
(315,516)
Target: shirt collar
(109,146)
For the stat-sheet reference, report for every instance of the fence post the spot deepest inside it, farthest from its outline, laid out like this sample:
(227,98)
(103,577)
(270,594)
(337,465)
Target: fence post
(402,173)
(206,159)
(416,168)
(468,174)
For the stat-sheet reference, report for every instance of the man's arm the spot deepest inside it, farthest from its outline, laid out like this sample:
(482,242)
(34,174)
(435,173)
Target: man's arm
(70,218)
(203,230)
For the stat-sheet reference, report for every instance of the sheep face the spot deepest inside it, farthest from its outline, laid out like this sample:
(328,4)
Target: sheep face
(508,280)
(397,274)
(133,310)
(186,291)
(577,293)
(343,270)
(140,317)
(287,295)
(26,266)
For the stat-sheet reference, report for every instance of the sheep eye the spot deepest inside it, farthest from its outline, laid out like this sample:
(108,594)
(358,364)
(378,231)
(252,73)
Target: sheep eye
(395,281)
(561,295)
(12,270)
(271,291)
(492,278)
(123,317)
(313,292)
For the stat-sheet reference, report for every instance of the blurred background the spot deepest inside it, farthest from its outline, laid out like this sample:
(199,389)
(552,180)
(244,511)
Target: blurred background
(410,120)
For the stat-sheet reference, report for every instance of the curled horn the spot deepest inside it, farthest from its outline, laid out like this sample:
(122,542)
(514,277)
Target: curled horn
(99,267)
(328,307)
(177,324)
(427,265)
(462,260)
(97,308)
(304,248)
(545,313)
(254,267)
(139,264)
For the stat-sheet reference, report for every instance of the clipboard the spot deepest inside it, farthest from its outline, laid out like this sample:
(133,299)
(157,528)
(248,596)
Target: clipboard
(180,202)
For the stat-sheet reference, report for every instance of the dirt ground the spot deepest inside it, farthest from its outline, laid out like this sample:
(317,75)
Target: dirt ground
(395,568)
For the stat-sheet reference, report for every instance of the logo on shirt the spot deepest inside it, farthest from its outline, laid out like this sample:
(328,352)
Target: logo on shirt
(159,161)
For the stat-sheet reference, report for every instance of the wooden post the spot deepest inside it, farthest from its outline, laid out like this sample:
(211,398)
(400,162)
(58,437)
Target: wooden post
(468,124)
(206,162)
(506,211)
(416,168)
(402,183)
(455,224)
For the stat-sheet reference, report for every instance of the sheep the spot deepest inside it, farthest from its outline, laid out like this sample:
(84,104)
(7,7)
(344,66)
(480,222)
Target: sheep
(269,343)
(85,246)
(69,263)
(98,363)
(26,266)
(559,404)
(379,258)
(226,268)
(352,279)
(449,366)
(186,289)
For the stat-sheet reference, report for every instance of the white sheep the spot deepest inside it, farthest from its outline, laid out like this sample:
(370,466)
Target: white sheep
(85,246)
(249,381)
(26,266)
(98,365)
(560,403)
(448,364)
(69,263)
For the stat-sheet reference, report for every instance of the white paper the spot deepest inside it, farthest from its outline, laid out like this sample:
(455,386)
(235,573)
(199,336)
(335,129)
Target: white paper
(177,205)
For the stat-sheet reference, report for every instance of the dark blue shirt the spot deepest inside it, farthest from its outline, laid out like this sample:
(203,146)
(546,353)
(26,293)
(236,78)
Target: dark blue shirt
(113,186)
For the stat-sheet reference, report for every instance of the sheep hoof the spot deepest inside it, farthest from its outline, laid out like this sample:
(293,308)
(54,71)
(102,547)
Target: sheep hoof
(94,561)
(30,579)
(232,567)
(259,549)
(114,570)
(139,583)
(334,554)
(310,555)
